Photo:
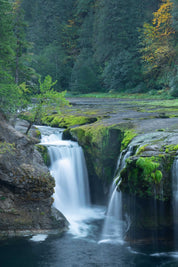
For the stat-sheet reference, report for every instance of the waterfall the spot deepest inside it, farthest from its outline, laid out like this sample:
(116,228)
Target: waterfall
(114,224)
(175,199)
(69,170)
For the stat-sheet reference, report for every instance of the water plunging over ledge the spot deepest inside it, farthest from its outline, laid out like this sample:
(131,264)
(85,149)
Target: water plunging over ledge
(114,225)
(85,224)
(68,167)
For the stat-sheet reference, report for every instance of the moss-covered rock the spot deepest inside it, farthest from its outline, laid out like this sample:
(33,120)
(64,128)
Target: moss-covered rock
(128,136)
(146,184)
(101,146)
(147,173)
(66,121)
(148,177)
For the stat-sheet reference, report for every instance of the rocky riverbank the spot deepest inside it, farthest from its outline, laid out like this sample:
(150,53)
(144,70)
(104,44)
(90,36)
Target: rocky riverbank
(26,187)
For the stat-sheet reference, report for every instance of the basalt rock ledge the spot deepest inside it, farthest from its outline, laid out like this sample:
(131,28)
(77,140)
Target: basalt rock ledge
(26,187)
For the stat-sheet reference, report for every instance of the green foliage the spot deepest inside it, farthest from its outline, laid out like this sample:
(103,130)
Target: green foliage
(47,99)
(116,74)
(52,59)
(158,47)
(171,148)
(21,70)
(12,97)
(90,45)
(101,145)
(141,149)
(59,120)
(12,45)
(7,43)
(157,176)
(150,170)
(85,74)
(128,136)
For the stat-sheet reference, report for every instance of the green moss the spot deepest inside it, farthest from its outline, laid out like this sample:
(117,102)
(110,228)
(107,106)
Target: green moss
(157,176)
(97,135)
(38,133)
(141,149)
(147,177)
(171,148)
(128,136)
(66,121)
(101,145)
(149,168)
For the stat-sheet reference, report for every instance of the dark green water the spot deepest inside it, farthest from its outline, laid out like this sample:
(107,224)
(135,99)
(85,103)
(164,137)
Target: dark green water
(71,251)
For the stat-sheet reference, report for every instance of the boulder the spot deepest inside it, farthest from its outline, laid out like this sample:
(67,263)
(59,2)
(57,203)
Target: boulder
(26,186)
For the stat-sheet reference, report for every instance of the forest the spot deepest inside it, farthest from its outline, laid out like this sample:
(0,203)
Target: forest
(87,46)
(88,133)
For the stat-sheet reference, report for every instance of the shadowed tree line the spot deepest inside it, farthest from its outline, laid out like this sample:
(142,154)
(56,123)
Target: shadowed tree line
(87,46)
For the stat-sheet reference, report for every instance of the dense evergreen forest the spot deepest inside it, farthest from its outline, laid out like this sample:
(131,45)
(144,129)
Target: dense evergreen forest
(87,46)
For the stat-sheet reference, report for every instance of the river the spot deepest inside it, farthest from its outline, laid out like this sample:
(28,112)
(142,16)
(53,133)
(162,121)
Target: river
(71,251)
(83,244)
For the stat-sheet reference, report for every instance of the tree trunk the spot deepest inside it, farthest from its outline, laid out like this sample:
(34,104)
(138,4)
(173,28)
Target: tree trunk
(29,127)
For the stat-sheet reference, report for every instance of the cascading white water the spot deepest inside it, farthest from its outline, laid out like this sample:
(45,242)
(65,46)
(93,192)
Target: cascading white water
(68,167)
(175,199)
(114,225)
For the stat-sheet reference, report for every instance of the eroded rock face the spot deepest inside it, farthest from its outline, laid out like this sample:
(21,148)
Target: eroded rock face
(146,183)
(26,186)
(101,146)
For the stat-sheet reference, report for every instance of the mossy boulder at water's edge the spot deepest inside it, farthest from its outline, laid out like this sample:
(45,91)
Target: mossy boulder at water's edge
(148,171)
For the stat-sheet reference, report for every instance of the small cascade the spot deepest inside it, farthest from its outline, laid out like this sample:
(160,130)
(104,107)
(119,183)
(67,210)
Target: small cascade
(114,224)
(68,167)
(175,199)
(69,170)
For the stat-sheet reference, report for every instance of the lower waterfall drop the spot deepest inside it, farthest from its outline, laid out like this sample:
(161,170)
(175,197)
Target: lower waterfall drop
(175,200)
(114,224)
(69,170)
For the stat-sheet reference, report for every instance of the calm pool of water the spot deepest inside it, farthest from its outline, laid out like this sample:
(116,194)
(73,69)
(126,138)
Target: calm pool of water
(70,250)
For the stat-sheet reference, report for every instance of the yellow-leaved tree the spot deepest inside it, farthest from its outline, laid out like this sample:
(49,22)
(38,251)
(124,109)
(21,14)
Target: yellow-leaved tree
(157,45)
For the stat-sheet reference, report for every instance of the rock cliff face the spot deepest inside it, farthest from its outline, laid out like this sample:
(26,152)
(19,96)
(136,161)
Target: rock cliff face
(146,184)
(101,146)
(151,127)
(146,179)
(26,187)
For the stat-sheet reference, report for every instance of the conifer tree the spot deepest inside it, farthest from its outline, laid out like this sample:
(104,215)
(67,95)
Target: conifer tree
(7,41)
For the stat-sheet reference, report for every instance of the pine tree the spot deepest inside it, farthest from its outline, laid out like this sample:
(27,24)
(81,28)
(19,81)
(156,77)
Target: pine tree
(10,94)
(22,70)
(7,41)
